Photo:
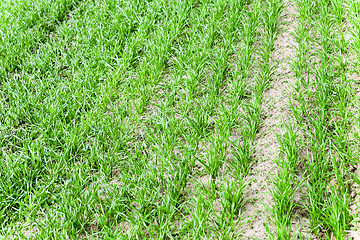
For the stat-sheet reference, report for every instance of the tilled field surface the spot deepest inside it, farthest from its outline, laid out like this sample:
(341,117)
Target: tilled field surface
(188,119)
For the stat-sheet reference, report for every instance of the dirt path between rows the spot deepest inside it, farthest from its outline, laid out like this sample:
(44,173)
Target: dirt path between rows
(276,112)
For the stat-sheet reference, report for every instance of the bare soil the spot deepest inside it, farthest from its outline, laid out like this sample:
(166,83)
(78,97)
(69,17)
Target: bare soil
(276,114)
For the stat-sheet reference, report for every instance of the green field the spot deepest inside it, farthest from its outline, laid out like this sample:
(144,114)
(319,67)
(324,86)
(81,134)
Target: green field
(180,119)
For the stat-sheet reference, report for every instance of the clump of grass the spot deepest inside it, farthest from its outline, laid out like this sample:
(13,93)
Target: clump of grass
(285,184)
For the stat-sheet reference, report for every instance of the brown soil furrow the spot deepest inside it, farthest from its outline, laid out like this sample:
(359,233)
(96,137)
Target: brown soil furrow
(276,112)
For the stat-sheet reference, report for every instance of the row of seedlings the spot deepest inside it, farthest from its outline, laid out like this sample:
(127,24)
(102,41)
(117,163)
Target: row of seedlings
(320,108)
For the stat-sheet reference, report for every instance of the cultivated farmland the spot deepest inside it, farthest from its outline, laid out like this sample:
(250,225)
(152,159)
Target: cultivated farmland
(179,119)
